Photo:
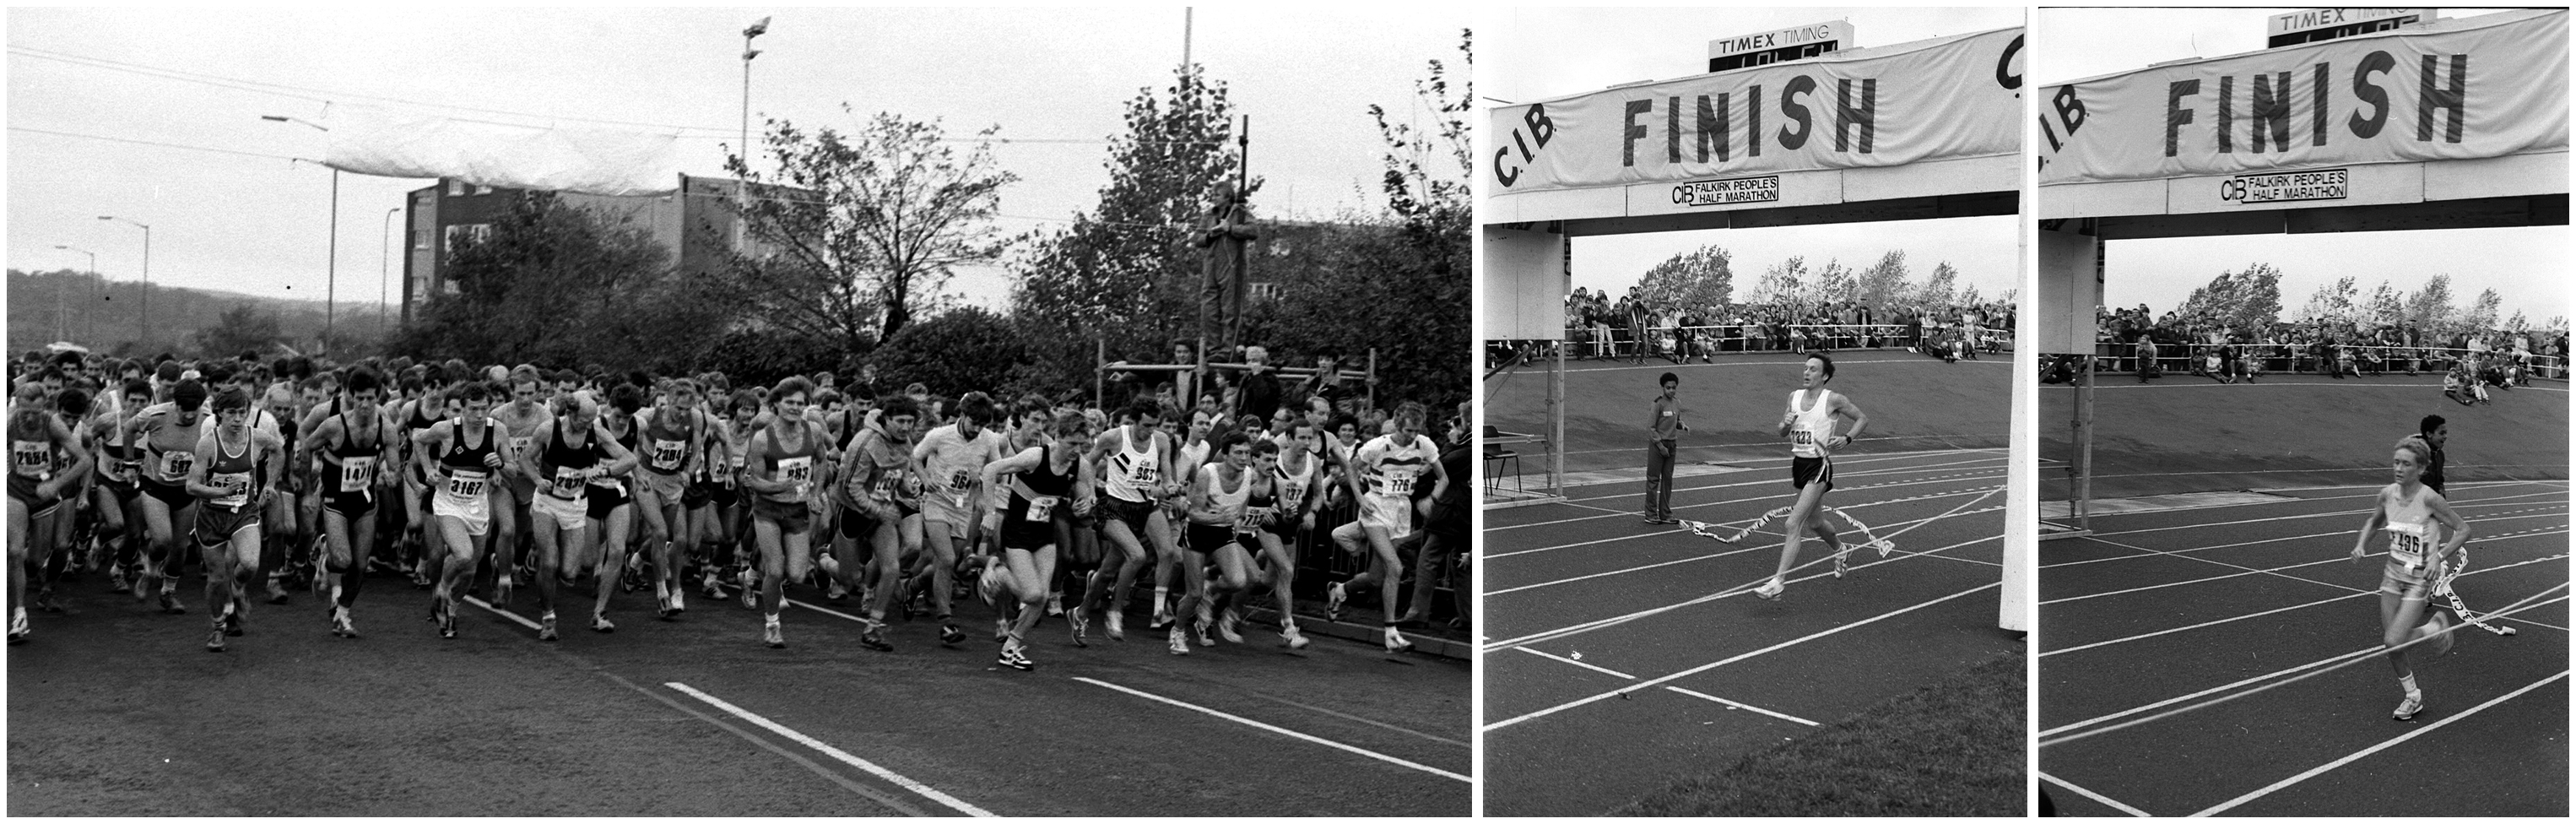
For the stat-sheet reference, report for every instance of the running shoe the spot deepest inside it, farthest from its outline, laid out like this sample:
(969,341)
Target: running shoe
(836,592)
(2407,709)
(679,601)
(447,620)
(116,582)
(1396,642)
(750,591)
(1055,604)
(1200,629)
(232,622)
(599,623)
(1012,658)
(1289,636)
(1207,610)
(1080,626)
(170,598)
(1179,645)
(1771,591)
(145,582)
(1333,597)
(1842,562)
(949,634)
(18,628)
(342,625)
(501,588)
(1225,626)
(215,640)
(546,627)
(873,637)
(1117,626)
(771,635)
(662,606)
(712,587)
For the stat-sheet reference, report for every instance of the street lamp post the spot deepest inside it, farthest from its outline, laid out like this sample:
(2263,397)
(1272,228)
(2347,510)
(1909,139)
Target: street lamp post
(385,273)
(59,333)
(331,269)
(142,325)
(742,185)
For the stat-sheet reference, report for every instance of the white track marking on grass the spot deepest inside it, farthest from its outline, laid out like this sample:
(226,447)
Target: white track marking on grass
(1660,680)
(1605,623)
(1742,706)
(2323,768)
(1661,532)
(2104,799)
(1276,729)
(2358,594)
(502,612)
(2065,728)
(1555,657)
(924,790)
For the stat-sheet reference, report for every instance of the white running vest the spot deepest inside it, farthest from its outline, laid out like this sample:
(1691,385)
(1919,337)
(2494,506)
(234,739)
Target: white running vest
(1131,472)
(1813,427)
(2410,533)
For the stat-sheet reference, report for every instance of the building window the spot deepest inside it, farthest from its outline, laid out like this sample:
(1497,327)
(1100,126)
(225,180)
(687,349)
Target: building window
(456,188)
(477,232)
(420,240)
(1265,291)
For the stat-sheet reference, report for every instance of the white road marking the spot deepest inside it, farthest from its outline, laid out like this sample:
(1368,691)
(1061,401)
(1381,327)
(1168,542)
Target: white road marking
(1605,670)
(1280,730)
(501,612)
(925,790)
(1742,706)
(2361,594)
(2095,796)
(1588,626)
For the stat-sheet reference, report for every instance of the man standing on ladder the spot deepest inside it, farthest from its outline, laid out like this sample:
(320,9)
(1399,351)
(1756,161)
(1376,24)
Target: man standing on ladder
(1221,290)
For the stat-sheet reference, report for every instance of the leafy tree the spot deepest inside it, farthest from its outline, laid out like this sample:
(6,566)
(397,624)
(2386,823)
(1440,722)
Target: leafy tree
(951,353)
(1125,272)
(241,328)
(2481,314)
(1781,283)
(1883,283)
(2332,303)
(855,231)
(1936,289)
(559,284)
(2239,300)
(2517,323)
(1700,277)
(2430,306)
(2385,306)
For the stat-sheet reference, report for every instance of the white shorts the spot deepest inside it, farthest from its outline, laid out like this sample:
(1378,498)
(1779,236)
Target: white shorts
(1391,513)
(475,511)
(568,514)
(940,506)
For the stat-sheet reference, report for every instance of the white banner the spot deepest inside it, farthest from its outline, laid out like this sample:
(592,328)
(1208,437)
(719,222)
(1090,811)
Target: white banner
(371,141)
(1950,97)
(2479,87)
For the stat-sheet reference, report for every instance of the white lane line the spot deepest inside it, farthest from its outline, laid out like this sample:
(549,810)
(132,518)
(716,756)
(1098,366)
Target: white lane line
(2360,594)
(835,776)
(1664,532)
(827,611)
(2053,731)
(1659,681)
(1601,623)
(1983,463)
(1277,729)
(501,612)
(1604,670)
(2106,800)
(924,790)
(2323,768)
(1748,548)
(1742,706)
(2345,531)
(2480,501)
(2274,571)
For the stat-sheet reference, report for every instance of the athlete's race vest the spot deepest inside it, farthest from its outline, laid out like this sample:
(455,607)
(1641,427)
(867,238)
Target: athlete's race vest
(1131,473)
(1813,427)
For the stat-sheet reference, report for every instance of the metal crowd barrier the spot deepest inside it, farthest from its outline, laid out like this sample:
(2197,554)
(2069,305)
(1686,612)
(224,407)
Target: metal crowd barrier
(1589,341)
(2114,356)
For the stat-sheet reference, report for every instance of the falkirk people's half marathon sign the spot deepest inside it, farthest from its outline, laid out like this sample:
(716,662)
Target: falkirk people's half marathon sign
(2478,87)
(1951,97)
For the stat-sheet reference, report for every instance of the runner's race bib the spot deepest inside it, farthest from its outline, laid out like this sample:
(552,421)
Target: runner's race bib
(33,459)
(176,465)
(1252,518)
(1802,437)
(568,483)
(1397,480)
(238,482)
(667,454)
(519,445)
(357,474)
(2406,545)
(1041,508)
(798,471)
(467,483)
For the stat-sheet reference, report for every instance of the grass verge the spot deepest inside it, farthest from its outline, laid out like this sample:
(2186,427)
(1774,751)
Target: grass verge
(1954,748)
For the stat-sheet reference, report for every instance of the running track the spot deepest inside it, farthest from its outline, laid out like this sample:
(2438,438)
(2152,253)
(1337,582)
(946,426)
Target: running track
(2165,609)
(116,711)
(1585,711)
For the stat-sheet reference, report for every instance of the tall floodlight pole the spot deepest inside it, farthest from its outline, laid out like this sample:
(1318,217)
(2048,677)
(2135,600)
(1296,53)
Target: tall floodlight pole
(142,325)
(385,274)
(59,332)
(742,186)
(331,269)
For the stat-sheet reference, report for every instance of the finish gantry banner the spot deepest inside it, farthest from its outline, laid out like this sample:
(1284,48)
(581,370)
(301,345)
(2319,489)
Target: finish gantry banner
(1950,97)
(2486,86)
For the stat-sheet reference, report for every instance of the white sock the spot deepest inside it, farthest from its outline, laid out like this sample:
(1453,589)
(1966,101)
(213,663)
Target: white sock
(2409,683)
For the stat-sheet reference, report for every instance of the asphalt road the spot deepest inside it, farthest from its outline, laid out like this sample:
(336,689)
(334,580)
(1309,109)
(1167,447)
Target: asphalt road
(114,710)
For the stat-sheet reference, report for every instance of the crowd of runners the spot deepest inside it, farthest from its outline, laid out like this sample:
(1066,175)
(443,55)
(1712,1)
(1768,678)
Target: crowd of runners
(565,487)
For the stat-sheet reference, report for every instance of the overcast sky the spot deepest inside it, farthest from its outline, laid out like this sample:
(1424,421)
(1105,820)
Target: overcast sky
(1536,54)
(258,224)
(2526,266)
